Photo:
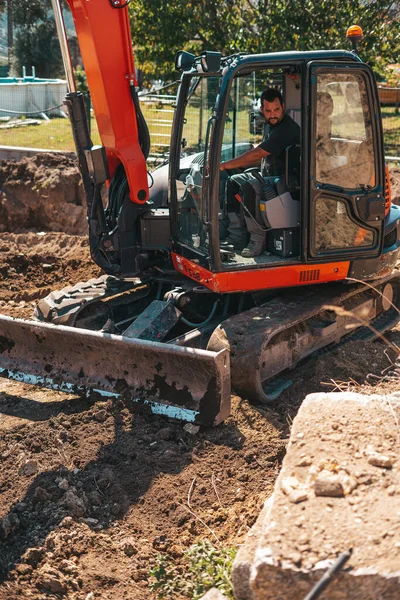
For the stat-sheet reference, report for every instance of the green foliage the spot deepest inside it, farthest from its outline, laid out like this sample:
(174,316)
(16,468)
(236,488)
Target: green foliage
(162,27)
(37,46)
(81,81)
(204,567)
(393,76)
(27,12)
(36,42)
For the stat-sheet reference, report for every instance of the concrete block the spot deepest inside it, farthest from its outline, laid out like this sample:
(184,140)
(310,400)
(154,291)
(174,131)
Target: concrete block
(339,488)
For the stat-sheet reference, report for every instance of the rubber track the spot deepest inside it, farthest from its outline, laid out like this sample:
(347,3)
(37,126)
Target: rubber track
(247,335)
(62,307)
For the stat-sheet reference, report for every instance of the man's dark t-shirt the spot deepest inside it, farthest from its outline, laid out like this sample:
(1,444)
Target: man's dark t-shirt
(276,140)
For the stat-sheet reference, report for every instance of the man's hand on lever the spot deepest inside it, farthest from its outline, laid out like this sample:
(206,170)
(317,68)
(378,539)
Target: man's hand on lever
(251,158)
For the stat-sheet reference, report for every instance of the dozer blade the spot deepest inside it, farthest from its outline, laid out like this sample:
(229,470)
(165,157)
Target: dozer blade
(185,383)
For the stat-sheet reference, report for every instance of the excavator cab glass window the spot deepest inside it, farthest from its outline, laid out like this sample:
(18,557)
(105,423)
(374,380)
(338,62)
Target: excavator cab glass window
(344,148)
(190,192)
(344,158)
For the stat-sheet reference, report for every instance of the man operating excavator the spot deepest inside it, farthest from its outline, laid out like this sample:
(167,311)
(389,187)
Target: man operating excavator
(280,131)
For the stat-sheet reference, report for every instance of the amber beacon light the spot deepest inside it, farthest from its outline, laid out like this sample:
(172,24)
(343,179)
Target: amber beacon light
(355,35)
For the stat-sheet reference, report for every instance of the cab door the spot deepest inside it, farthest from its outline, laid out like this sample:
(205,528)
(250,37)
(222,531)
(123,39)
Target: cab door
(346,204)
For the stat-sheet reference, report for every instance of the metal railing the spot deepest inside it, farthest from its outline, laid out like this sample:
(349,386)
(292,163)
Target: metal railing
(43,126)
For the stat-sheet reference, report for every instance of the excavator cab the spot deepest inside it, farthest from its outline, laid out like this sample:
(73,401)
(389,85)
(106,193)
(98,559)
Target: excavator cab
(329,218)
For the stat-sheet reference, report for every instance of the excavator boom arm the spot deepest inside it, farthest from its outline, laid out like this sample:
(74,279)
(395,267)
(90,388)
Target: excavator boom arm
(106,47)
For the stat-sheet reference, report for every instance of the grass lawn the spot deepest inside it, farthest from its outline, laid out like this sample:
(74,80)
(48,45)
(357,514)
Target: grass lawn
(391,130)
(55,134)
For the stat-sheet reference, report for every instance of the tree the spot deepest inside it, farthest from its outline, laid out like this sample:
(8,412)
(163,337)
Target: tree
(309,25)
(36,42)
(162,27)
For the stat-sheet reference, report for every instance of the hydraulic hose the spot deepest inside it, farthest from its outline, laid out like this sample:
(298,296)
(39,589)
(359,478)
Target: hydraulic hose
(144,135)
(210,316)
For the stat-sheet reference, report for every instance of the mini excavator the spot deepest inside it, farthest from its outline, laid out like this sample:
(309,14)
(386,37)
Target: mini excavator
(180,319)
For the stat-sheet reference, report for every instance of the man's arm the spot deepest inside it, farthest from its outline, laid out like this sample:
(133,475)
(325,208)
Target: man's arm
(251,158)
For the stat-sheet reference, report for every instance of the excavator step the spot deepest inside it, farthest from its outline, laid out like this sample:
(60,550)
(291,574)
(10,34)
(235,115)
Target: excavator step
(180,382)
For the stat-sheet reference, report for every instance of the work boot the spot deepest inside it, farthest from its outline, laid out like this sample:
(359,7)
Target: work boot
(258,239)
(237,232)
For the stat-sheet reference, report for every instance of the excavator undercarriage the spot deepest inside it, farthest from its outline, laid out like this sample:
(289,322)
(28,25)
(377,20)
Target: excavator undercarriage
(134,339)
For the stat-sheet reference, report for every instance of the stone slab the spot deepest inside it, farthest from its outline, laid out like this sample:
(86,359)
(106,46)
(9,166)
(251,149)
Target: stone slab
(339,488)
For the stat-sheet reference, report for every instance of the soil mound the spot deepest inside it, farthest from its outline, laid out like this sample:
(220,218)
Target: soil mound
(43,193)
(34,264)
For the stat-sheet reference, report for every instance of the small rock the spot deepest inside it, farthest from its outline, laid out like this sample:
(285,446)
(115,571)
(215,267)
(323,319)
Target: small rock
(52,584)
(364,478)
(349,482)
(380,460)
(297,496)
(295,558)
(175,552)
(329,485)
(67,566)
(305,461)
(213,594)
(105,479)
(170,453)
(116,509)
(289,484)
(95,497)
(23,569)
(129,547)
(30,467)
(166,433)
(8,525)
(33,556)
(64,435)
(100,416)
(89,521)
(47,268)
(63,485)
(20,507)
(335,485)
(67,522)
(74,503)
(191,429)
(41,495)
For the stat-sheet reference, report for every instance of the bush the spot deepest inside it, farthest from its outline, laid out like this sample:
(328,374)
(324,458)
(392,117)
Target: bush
(204,567)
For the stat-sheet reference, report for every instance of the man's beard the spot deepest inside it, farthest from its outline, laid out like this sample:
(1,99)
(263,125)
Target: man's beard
(274,121)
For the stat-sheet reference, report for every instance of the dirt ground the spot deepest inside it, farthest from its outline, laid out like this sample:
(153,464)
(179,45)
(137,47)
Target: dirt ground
(91,493)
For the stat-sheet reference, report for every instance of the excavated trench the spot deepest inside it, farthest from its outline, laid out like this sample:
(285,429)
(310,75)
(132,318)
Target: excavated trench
(93,492)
